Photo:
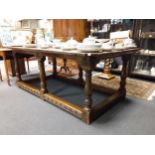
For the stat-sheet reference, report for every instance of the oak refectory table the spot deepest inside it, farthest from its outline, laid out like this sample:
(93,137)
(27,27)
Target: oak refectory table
(87,62)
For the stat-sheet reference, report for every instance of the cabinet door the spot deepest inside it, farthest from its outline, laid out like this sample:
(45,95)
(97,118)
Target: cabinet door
(67,28)
(71,24)
(60,28)
(78,29)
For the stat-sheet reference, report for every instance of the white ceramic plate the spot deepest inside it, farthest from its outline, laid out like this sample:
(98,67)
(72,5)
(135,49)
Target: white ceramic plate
(67,48)
(89,50)
(44,47)
(102,40)
(107,49)
(30,45)
(16,45)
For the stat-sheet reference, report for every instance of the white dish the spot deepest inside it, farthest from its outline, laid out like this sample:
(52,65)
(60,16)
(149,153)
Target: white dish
(119,48)
(58,45)
(44,47)
(89,39)
(124,48)
(108,48)
(128,41)
(89,46)
(30,45)
(130,46)
(71,42)
(18,45)
(89,50)
(68,48)
(101,40)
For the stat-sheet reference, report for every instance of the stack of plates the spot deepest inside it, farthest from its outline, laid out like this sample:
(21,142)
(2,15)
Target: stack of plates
(30,45)
(17,45)
(102,40)
(96,47)
(57,45)
(71,44)
(107,46)
(43,46)
(66,46)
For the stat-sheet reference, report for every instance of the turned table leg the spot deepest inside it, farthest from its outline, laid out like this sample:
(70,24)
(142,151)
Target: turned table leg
(88,96)
(54,66)
(43,88)
(28,66)
(6,70)
(18,75)
(124,75)
(80,74)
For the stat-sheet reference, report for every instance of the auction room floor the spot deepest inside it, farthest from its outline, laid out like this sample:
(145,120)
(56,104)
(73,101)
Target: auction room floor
(23,113)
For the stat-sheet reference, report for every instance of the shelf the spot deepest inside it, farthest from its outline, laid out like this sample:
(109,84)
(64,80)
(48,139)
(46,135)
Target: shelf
(115,70)
(148,35)
(143,74)
(149,53)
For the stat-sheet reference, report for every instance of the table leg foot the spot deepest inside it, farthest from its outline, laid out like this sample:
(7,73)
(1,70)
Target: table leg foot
(87,115)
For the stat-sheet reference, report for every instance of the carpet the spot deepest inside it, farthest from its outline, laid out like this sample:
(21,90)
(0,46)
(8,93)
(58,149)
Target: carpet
(69,91)
(135,88)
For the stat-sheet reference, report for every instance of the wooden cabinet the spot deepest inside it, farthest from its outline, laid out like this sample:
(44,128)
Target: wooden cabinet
(143,63)
(67,28)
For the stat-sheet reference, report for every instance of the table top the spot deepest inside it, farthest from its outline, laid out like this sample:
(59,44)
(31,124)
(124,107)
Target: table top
(100,53)
(5,53)
(5,49)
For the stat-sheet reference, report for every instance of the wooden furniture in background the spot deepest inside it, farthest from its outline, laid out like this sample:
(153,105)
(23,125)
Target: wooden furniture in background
(6,56)
(143,62)
(66,29)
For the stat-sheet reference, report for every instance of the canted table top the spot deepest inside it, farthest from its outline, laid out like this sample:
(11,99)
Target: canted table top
(5,49)
(100,53)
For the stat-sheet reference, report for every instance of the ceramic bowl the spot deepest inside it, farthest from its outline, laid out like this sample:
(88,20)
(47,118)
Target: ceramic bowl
(107,46)
(56,40)
(133,45)
(128,42)
(89,47)
(119,46)
(30,45)
(101,40)
(90,39)
(70,44)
